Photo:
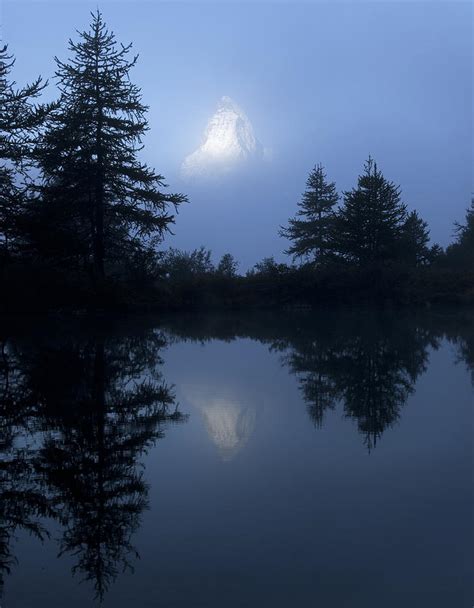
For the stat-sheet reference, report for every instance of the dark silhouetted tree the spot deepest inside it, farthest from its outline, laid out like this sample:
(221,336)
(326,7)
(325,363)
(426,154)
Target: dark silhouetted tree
(103,202)
(227,266)
(414,241)
(370,223)
(461,253)
(184,265)
(269,267)
(309,231)
(20,119)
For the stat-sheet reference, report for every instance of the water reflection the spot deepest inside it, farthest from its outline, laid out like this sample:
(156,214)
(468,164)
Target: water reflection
(78,413)
(228,423)
(369,364)
(367,361)
(80,406)
(22,502)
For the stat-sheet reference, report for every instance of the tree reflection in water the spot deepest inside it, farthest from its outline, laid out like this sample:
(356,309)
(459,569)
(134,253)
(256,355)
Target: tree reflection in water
(368,361)
(91,405)
(369,364)
(80,406)
(23,505)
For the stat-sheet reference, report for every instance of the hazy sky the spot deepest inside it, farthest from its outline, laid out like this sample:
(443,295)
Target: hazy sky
(321,82)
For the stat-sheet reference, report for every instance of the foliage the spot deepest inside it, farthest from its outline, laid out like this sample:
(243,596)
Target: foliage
(84,229)
(461,253)
(370,223)
(20,121)
(269,267)
(180,265)
(227,266)
(310,230)
(414,241)
(101,202)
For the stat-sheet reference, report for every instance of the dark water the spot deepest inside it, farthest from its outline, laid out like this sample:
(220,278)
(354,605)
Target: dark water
(320,459)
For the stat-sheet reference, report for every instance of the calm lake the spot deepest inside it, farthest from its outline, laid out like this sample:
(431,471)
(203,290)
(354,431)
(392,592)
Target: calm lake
(319,459)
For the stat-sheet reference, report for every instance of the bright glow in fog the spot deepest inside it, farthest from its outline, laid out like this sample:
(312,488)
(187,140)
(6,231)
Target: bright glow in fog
(320,81)
(228,141)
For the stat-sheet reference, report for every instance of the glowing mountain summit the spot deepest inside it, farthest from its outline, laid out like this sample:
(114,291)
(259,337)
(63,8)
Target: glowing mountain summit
(229,141)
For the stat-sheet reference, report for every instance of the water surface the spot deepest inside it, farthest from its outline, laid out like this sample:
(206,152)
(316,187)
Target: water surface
(317,459)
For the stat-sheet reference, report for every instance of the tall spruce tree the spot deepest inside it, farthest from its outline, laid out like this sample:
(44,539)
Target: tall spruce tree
(309,231)
(105,203)
(20,118)
(370,223)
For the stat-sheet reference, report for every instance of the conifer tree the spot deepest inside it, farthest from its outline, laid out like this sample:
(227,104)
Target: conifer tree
(370,223)
(414,241)
(461,252)
(111,204)
(309,231)
(19,120)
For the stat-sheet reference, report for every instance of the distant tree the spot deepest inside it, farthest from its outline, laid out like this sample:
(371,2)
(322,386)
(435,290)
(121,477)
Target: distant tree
(184,265)
(436,254)
(461,252)
(370,223)
(414,241)
(19,120)
(309,231)
(269,267)
(105,202)
(227,266)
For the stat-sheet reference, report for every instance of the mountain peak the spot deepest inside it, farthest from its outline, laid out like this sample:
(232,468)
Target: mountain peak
(228,104)
(228,141)
(226,100)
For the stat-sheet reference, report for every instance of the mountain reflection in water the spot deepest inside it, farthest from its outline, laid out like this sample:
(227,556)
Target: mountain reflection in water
(229,425)
(83,403)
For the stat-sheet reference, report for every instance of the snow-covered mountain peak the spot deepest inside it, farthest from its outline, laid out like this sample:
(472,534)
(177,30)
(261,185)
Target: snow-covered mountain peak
(228,141)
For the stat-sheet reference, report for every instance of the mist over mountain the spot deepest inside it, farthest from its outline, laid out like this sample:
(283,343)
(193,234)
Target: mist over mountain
(405,105)
(229,142)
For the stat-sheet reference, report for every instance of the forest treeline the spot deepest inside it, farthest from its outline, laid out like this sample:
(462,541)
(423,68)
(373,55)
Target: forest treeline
(83,218)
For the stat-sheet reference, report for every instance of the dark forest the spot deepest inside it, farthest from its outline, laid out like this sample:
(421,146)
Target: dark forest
(84,222)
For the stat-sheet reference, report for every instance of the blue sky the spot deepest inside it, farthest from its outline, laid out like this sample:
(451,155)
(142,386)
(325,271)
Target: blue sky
(321,82)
